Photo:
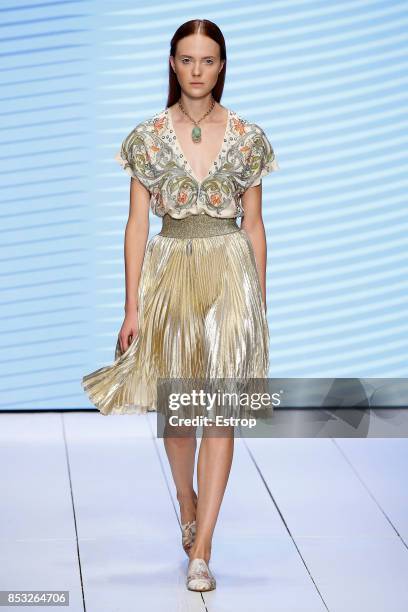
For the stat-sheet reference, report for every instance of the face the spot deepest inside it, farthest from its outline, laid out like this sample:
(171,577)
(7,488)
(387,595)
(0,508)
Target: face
(197,60)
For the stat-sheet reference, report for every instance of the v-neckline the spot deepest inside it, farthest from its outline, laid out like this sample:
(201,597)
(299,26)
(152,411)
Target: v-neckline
(214,163)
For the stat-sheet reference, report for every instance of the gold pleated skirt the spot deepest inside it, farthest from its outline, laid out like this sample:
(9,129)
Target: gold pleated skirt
(201,315)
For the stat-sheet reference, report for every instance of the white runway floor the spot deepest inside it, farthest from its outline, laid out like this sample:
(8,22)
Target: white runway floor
(88,505)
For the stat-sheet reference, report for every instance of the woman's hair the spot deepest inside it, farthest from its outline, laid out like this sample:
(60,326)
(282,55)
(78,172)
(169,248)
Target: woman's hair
(206,28)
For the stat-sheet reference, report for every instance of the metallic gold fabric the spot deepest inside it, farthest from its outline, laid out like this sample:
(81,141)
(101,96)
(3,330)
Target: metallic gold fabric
(197,226)
(201,315)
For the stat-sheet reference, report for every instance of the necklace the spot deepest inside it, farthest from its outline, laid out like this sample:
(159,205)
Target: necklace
(196,131)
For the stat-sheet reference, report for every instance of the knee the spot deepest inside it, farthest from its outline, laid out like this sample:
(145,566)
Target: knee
(218,431)
(181,435)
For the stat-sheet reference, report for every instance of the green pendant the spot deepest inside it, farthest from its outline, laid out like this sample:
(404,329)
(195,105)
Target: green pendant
(196,133)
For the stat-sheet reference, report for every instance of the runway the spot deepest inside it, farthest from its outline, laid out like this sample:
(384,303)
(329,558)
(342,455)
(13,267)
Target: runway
(306,525)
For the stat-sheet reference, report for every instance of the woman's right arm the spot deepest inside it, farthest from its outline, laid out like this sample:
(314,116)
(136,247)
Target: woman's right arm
(136,235)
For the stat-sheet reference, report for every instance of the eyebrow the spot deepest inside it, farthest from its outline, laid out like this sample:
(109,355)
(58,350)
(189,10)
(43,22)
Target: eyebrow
(205,57)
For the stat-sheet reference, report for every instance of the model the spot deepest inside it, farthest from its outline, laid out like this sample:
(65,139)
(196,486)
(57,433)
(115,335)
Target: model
(196,292)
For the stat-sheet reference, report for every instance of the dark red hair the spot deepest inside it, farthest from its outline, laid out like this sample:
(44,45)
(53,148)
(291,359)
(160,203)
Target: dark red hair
(206,28)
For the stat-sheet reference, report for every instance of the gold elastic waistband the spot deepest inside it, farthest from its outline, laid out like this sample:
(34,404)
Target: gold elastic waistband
(197,226)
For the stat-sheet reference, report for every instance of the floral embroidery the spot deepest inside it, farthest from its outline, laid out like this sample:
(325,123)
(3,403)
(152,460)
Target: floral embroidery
(158,124)
(182,197)
(151,153)
(238,125)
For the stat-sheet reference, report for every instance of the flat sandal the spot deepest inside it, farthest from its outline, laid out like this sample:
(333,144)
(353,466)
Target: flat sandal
(188,531)
(199,576)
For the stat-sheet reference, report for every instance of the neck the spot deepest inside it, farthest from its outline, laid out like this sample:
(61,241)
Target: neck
(196,108)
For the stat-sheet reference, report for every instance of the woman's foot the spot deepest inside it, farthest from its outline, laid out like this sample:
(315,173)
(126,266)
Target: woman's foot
(188,506)
(199,576)
(188,533)
(200,552)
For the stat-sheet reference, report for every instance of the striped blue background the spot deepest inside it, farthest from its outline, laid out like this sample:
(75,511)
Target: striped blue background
(326,81)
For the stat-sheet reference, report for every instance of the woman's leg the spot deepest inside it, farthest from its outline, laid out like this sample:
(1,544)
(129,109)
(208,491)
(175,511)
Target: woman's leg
(181,451)
(213,468)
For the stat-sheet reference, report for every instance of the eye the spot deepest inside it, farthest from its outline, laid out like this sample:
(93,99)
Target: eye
(184,60)
(210,61)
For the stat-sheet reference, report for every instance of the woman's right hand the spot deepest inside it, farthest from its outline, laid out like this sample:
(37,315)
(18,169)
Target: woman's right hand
(129,330)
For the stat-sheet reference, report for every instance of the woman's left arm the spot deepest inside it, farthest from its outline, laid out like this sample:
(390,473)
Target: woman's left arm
(252,223)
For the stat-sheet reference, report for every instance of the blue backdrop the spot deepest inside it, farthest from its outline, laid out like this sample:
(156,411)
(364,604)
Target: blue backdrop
(328,84)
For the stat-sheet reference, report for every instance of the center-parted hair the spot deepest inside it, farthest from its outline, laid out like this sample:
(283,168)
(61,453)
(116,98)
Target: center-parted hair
(206,28)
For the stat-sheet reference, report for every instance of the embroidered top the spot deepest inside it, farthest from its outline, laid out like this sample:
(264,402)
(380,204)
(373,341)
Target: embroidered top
(151,152)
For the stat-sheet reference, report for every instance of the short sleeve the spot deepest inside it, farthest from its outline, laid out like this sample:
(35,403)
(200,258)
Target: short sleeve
(134,158)
(262,159)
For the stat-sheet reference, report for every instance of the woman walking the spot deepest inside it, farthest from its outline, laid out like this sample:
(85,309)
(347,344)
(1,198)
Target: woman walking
(196,292)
